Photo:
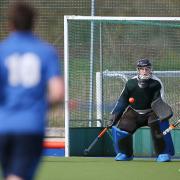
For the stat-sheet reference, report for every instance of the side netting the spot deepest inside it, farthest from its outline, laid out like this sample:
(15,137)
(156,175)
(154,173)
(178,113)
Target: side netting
(94,44)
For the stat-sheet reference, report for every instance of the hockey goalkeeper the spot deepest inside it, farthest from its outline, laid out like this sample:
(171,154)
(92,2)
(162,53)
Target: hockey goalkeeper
(141,104)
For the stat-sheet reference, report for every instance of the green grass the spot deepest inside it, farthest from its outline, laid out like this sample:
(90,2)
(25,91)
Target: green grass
(81,168)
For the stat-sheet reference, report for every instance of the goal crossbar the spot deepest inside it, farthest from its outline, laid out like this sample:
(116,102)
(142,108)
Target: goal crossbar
(121,18)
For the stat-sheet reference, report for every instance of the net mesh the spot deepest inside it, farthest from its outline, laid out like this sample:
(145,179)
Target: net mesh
(51,14)
(117,45)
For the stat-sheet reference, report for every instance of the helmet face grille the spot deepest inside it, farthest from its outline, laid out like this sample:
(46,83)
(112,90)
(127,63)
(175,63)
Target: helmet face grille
(143,63)
(143,77)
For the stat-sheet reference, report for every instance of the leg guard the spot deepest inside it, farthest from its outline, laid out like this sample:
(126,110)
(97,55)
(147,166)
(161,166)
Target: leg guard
(169,146)
(163,144)
(122,141)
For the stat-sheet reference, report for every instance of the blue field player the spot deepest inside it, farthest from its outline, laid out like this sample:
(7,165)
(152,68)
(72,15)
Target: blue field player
(30,80)
(145,108)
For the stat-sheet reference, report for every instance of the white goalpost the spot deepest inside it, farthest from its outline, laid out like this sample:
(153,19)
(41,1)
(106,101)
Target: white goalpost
(117,42)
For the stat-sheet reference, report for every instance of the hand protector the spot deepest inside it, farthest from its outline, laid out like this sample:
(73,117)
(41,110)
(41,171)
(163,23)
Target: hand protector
(113,121)
(162,109)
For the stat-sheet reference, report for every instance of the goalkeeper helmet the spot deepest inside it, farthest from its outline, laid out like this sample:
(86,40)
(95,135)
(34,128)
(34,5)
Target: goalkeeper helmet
(144,70)
(143,63)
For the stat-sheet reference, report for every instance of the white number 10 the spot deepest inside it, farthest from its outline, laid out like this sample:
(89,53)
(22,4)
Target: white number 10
(24,70)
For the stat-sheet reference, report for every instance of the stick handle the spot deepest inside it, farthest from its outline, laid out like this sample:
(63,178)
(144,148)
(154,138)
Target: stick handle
(102,132)
(96,139)
(92,144)
(171,127)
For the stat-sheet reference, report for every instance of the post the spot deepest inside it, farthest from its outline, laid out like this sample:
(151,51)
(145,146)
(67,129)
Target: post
(99,100)
(101,70)
(91,66)
(66,78)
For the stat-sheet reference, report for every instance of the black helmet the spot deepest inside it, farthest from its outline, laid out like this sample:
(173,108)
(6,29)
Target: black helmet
(143,63)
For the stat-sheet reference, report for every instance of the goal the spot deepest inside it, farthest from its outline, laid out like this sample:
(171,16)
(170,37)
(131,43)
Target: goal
(100,54)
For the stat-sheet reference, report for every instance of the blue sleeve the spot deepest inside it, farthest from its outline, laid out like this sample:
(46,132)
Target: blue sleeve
(122,102)
(53,64)
(120,106)
(2,96)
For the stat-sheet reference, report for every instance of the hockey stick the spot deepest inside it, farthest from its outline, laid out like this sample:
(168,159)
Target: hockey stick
(171,127)
(86,151)
(166,131)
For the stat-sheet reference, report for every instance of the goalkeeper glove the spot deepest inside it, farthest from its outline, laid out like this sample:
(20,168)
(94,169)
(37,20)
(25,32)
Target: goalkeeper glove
(113,121)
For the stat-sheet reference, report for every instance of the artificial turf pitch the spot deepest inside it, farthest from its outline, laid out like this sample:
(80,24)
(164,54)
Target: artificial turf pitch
(87,168)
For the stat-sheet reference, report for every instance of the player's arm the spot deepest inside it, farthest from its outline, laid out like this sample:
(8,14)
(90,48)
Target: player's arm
(157,92)
(158,89)
(56,90)
(119,108)
(55,82)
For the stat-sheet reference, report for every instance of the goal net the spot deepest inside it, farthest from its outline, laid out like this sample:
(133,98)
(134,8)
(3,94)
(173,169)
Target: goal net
(100,54)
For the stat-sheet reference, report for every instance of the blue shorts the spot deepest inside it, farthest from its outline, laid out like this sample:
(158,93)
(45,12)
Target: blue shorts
(20,154)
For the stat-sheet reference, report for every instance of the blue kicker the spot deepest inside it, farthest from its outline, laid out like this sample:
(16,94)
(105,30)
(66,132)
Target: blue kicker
(117,135)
